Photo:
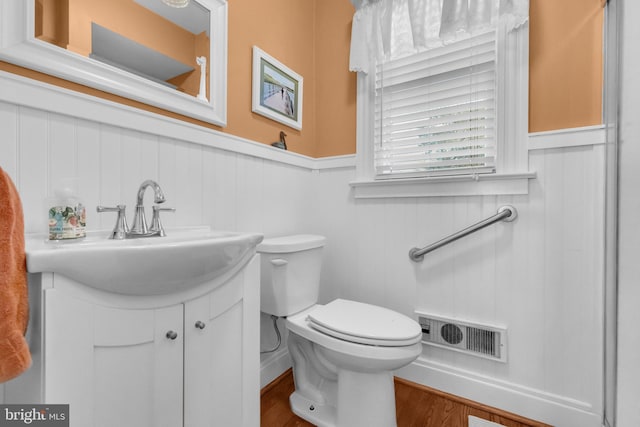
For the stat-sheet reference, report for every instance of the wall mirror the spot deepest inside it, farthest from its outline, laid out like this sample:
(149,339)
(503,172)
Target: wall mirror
(170,54)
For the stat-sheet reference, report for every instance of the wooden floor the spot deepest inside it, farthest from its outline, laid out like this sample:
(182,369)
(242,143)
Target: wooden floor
(416,406)
(274,404)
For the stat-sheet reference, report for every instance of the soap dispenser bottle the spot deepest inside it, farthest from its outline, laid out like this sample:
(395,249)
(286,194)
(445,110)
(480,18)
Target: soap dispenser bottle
(66,212)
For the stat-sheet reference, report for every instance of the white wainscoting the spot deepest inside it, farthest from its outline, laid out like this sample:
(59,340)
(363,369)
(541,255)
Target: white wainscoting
(210,178)
(206,184)
(540,276)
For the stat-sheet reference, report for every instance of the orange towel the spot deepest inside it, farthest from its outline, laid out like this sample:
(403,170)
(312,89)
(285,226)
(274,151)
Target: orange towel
(15,357)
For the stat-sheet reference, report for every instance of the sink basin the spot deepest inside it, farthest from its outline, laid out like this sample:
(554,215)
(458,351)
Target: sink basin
(148,266)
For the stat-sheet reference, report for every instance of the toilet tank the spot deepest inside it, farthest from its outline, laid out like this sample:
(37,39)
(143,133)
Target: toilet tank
(289,273)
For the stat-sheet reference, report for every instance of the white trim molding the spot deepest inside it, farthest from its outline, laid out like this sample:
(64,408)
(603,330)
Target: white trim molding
(460,185)
(32,93)
(571,137)
(347,161)
(274,365)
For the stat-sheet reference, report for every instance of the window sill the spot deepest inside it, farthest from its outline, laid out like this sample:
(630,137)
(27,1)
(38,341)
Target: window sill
(494,184)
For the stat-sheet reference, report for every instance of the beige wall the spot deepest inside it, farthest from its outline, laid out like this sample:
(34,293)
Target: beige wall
(336,87)
(565,62)
(285,29)
(312,38)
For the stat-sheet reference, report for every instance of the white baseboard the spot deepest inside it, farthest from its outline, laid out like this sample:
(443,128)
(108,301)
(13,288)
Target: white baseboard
(559,411)
(273,365)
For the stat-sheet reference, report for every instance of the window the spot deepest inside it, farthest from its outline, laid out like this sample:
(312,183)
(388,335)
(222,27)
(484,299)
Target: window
(450,120)
(435,111)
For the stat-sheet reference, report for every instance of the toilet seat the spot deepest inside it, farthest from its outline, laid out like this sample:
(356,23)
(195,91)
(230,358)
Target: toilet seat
(362,323)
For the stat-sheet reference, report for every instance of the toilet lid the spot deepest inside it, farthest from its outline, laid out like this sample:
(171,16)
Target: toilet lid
(365,324)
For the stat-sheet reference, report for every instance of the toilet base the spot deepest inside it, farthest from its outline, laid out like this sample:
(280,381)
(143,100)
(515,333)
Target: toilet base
(365,400)
(320,415)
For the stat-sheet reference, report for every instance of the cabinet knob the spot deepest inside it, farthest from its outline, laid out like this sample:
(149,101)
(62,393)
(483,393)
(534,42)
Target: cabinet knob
(172,335)
(200,324)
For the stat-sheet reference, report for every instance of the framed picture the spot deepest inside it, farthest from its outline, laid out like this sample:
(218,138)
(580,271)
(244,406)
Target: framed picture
(276,90)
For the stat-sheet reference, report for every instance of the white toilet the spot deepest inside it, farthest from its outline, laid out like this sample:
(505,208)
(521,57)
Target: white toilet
(344,352)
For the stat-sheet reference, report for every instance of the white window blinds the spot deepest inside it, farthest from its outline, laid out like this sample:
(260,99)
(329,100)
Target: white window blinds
(436,111)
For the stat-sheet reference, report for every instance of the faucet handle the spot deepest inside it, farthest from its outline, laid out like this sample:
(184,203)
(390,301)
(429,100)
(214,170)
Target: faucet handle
(121,228)
(156,225)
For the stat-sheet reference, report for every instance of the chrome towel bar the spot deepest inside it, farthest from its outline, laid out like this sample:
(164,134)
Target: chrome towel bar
(506,213)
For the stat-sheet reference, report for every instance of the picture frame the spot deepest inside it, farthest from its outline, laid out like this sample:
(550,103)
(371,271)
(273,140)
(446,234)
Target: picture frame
(276,90)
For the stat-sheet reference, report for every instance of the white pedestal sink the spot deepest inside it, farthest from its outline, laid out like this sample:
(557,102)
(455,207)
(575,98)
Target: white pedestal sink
(147,266)
(145,331)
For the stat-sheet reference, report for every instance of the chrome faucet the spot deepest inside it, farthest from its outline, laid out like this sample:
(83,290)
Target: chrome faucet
(121,228)
(139,227)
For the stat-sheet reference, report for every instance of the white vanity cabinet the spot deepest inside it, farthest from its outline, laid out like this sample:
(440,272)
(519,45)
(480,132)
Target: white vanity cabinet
(114,366)
(222,358)
(188,359)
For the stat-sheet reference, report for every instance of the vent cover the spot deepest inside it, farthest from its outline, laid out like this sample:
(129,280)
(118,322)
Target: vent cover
(480,340)
(479,422)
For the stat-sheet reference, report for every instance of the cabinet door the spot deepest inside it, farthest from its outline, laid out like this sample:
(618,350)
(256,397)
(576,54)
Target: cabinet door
(214,358)
(115,367)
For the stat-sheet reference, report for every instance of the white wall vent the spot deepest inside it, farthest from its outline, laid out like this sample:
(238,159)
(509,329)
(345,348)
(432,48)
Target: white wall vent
(479,340)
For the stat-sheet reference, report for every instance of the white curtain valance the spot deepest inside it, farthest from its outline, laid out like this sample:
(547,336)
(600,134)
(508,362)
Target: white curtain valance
(394,28)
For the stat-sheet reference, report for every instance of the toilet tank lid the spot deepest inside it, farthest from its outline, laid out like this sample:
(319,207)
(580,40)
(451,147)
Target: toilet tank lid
(295,243)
